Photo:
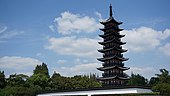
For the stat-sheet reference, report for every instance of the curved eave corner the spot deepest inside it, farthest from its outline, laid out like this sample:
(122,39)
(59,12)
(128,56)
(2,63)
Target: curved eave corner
(111,19)
(103,59)
(115,77)
(105,50)
(113,67)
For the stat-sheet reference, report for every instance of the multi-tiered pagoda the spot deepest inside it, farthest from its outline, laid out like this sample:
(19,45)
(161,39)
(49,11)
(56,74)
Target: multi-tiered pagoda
(112,65)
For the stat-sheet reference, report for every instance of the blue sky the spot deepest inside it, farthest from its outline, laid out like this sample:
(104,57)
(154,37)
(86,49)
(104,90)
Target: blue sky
(64,35)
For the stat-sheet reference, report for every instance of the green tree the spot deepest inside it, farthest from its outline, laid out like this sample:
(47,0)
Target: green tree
(42,69)
(40,77)
(164,77)
(59,82)
(2,80)
(153,81)
(17,80)
(17,91)
(39,80)
(86,81)
(54,81)
(137,79)
(163,86)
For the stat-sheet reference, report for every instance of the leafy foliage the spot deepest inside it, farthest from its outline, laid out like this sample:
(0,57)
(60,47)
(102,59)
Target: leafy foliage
(163,83)
(41,69)
(137,79)
(17,91)
(153,81)
(40,81)
(17,80)
(76,82)
(2,79)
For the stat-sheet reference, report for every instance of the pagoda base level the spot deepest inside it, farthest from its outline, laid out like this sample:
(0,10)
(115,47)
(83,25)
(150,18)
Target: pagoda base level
(110,84)
(114,81)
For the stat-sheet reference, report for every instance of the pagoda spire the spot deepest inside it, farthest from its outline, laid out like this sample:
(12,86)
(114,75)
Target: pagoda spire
(111,10)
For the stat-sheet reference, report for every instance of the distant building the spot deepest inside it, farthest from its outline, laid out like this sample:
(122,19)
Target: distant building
(112,65)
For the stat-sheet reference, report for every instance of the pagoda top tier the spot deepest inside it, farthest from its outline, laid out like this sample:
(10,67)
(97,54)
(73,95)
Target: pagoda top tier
(111,19)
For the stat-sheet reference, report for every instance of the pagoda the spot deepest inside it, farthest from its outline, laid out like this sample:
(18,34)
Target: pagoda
(113,59)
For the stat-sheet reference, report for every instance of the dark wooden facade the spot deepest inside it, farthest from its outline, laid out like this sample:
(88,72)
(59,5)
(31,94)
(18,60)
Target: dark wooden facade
(112,65)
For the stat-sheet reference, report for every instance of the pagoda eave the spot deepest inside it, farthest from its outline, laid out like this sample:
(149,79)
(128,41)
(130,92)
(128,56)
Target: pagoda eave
(104,29)
(111,33)
(114,77)
(111,19)
(105,50)
(108,58)
(106,42)
(113,67)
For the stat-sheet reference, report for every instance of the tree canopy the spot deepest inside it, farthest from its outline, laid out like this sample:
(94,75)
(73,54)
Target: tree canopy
(136,79)
(2,79)
(40,81)
(163,83)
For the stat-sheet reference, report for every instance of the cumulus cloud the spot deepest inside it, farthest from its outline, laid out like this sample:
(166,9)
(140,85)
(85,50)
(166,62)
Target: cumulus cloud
(165,34)
(165,49)
(144,38)
(74,23)
(144,71)
(17,64)
(81,47)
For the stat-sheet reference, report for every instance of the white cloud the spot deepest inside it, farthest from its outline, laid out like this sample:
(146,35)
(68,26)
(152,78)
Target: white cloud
(6,35)
(3,28)
(17,64)
(74,23)
(10,34)
(81,47)
(52,28)
(81,61)
(144,38)
(39,55)
(61,61)
(147,72)
(165,49)
(77,61)
(100,16)
(165,34)
(80,69)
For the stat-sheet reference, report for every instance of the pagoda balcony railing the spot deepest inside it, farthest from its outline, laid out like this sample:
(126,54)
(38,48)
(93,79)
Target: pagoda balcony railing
(112,64)
(112,74)
(108,39)
(106,47)
(110,55)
